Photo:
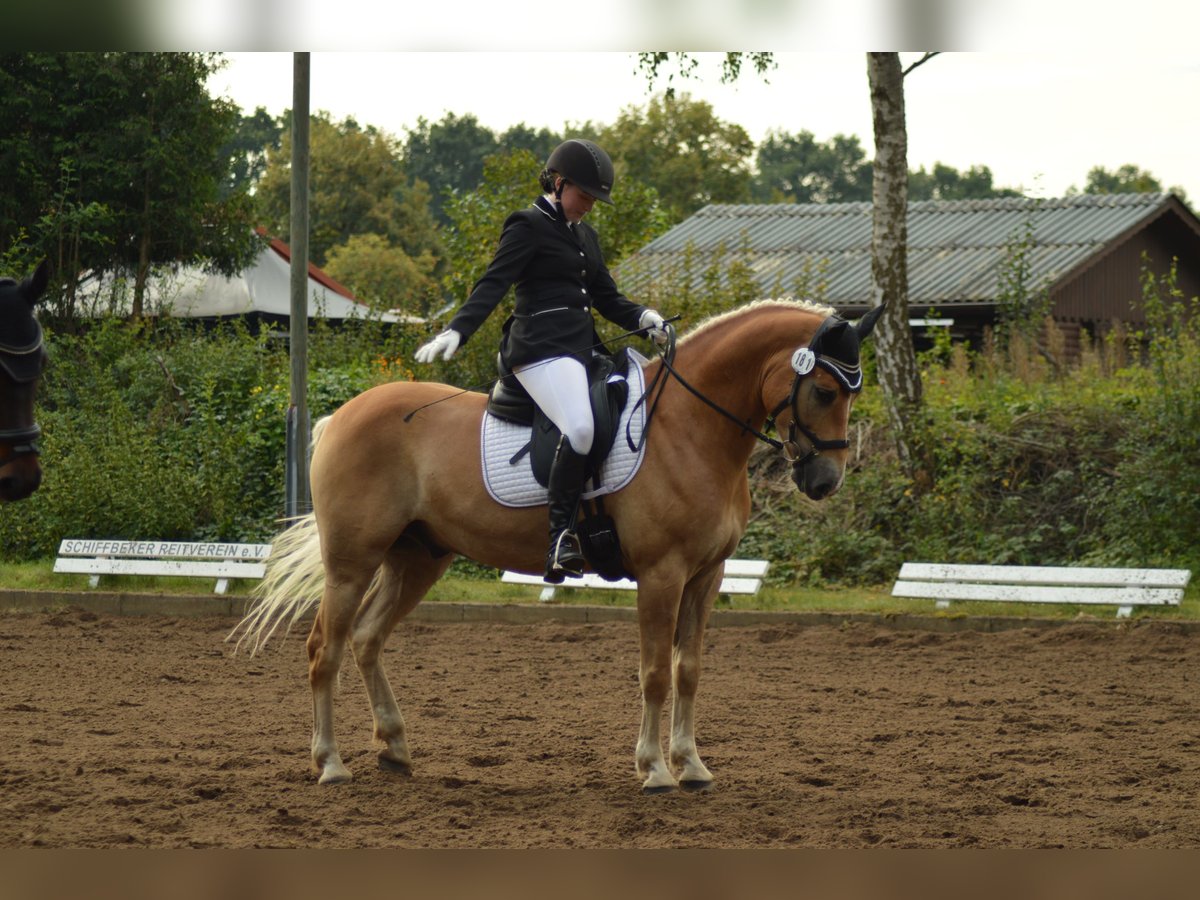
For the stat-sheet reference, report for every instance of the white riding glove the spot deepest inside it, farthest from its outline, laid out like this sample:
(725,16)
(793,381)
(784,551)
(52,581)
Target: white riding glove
(445,344)
(653,323)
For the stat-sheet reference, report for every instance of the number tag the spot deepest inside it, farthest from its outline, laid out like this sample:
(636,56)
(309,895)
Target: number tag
(803,361)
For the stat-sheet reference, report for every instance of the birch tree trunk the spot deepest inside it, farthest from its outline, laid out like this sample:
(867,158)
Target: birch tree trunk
(895,357)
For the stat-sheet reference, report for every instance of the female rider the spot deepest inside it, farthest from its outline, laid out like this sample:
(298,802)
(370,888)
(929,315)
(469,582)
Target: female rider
(554,260)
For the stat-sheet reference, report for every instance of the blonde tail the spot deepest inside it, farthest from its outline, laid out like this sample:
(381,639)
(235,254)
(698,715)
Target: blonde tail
(294,580)
(293,584)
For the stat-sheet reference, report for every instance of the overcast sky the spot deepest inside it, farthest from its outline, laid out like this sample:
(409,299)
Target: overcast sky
(1039,119)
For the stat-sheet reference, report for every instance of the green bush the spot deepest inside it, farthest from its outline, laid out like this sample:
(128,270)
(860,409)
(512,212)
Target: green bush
(1152,512)
(172,431)
(1031,466)
(168,430)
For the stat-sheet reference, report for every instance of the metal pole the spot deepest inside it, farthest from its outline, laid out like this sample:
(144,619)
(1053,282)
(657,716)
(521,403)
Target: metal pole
(298,501)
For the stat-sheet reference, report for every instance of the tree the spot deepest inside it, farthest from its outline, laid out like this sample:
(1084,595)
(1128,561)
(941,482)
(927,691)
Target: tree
(894,352)
(521,137)
(357,185)
(111,162)
(256,135)
(798,169)
(948,183)
(652,65)
(1125,180)
(168,148)
(681,149)
(795,168)
(895,355)
(382,275)
(448,155)
(636,217)
(476,219)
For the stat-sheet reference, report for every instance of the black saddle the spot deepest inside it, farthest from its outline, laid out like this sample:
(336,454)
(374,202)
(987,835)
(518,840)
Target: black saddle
(509,401)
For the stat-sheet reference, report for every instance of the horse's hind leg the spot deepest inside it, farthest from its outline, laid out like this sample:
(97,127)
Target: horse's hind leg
(698,598)
(326,644)
(405,577)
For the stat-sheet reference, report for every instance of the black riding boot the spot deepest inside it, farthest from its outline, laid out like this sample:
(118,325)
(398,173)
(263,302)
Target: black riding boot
(564,558)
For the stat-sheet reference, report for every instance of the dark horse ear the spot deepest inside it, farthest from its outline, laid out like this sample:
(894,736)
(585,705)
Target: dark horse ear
(35,285)
(866,324)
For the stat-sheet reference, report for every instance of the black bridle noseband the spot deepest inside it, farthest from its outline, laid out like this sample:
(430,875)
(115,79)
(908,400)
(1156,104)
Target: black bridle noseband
(804,361)
(789,447)
(22,365)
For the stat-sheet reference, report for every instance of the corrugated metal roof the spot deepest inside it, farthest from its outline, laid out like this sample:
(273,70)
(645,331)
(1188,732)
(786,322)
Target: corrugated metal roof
(955,248)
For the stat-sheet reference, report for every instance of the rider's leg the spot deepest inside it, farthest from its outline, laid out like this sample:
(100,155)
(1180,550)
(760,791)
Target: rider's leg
(560,388)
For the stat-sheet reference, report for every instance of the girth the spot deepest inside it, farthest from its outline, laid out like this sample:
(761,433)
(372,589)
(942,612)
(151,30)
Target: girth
(509,401)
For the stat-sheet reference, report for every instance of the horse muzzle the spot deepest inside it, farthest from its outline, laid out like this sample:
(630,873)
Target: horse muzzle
(817,476)
(20,480)
(20,471)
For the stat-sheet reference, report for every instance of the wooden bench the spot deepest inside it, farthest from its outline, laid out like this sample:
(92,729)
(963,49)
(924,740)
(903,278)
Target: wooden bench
(742,576)
(170,558)
(1123,588)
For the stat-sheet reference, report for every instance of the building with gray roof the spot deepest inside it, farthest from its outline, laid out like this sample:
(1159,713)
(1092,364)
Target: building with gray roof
(1086,251)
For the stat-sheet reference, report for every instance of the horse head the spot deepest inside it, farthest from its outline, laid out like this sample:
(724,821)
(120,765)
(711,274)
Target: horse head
(22,359)
(825,375)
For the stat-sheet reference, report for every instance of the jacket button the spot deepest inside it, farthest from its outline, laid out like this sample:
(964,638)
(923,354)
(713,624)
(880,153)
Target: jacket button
(583,290)
(581,253)
(583,272)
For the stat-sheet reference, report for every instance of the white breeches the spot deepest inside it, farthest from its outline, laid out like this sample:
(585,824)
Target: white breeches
(559,387)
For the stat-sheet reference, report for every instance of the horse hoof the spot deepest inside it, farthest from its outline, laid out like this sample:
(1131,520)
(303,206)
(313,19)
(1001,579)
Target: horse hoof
(394,767)
(658,789)
(696,786)
(334,777)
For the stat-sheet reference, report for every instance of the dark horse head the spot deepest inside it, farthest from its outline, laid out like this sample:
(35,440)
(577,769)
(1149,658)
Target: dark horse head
(22,358)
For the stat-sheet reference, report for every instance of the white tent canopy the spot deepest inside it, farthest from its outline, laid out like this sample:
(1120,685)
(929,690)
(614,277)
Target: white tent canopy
(264,288)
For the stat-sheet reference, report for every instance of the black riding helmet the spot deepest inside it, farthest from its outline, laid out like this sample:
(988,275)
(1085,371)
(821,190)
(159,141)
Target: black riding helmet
(585,165)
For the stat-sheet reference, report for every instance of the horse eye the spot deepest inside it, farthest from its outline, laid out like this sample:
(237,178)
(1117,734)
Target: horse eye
(825,396)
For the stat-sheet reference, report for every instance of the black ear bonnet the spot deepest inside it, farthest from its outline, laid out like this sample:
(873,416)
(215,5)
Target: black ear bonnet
(836,345)
(20,334)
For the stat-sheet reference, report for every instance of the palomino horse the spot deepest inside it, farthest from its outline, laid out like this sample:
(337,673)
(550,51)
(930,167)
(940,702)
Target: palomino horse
(22,358)
(395,500)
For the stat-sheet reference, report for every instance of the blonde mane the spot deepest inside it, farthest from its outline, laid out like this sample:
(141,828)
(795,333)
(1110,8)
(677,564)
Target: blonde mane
(781,303)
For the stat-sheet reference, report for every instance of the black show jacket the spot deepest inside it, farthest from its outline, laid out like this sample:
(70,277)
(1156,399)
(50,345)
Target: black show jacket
(560,277)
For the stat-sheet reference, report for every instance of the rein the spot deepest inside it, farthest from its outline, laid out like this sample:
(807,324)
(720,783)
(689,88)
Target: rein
(667,357)
(489,383)
(788,446)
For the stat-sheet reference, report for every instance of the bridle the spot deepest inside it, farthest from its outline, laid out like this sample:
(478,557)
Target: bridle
(804,361)
(22,365)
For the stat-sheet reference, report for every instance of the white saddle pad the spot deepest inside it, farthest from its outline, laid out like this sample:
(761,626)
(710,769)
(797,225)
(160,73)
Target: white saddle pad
(513,484)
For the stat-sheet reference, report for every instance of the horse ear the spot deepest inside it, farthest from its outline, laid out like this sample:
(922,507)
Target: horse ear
(866,324)
(35,285)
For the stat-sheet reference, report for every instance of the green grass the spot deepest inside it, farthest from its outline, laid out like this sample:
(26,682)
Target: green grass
(39,576)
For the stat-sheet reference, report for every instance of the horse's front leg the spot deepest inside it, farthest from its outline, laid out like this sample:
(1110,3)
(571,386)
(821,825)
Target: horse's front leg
(698,598)
(657,609)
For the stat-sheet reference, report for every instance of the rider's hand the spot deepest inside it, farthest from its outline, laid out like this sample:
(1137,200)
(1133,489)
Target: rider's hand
(445,344)
(653,324)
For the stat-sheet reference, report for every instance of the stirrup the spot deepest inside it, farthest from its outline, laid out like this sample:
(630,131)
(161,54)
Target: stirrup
(565,559)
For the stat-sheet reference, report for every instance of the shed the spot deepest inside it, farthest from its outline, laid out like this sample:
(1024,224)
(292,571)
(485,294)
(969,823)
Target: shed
(262,290)
(1085,250)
